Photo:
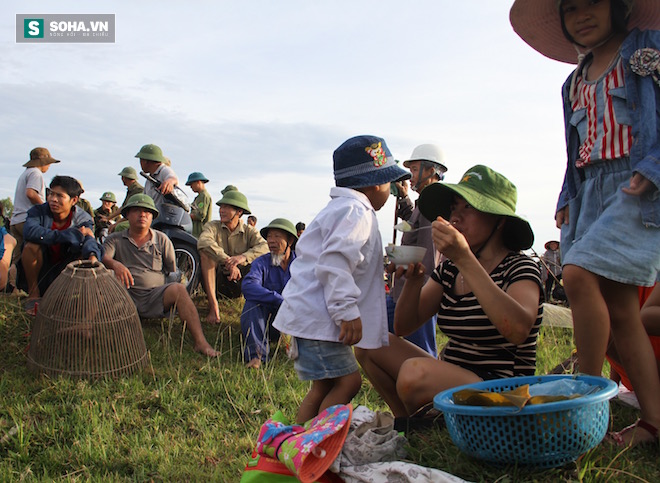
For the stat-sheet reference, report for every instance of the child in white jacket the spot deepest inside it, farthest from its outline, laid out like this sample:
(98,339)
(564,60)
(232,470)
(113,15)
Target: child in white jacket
(336,296)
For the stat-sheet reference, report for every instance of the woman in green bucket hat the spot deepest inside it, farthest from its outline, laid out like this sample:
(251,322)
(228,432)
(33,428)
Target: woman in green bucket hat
(487,294)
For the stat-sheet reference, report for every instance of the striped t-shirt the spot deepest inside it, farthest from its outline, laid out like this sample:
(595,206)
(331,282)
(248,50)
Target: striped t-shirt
(607,133)
(474,342)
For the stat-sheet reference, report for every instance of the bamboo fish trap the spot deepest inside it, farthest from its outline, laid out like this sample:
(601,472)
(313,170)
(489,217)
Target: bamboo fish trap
(87,326)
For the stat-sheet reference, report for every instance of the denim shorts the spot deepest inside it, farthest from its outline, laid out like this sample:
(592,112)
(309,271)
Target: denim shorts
(605,234)
(321,359)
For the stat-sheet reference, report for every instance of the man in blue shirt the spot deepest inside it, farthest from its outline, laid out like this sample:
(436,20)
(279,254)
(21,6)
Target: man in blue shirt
(262,289)
(56,233)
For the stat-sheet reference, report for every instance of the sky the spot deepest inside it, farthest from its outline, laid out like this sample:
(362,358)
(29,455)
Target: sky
(260,93)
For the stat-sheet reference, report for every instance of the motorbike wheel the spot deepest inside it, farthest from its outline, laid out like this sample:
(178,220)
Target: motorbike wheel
(188,263)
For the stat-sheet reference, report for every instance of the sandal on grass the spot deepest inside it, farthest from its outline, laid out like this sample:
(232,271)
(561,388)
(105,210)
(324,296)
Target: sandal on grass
(426,417)
(31,306)
(619,437)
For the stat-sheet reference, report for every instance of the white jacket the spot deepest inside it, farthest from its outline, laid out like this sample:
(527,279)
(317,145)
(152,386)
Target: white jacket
(337,274)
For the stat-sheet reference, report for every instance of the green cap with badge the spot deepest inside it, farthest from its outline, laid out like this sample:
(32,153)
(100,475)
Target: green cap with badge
(108,196)
(128,172)
(140,201)
(281,224)
(235,198)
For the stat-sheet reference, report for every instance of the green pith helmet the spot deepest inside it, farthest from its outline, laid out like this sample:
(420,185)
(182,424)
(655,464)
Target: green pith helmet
(196,176)
(235,198)
(281,224)
(152,153)
(140,201)
(108,196)
(128,172)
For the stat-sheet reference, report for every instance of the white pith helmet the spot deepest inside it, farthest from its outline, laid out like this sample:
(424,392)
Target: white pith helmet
(429,153)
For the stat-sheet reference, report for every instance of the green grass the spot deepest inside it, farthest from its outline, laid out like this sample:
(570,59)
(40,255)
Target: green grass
(189,418)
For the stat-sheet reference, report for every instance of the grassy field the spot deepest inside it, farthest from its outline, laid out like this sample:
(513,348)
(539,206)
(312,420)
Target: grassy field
(187,418)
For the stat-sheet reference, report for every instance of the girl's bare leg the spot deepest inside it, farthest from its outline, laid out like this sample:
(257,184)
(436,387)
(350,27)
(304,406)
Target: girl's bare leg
(591,321)
(309,407)
(635,351)
(344,389)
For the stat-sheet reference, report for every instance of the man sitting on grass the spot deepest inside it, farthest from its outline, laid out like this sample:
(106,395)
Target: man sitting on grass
(226,248)
(262,289)
(141,258)
(56,233)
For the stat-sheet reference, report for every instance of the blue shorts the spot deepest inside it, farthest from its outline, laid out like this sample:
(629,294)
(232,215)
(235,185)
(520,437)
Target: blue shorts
(321,359)
(605,234)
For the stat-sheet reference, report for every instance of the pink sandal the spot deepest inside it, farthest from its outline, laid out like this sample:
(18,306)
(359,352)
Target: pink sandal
(618,437)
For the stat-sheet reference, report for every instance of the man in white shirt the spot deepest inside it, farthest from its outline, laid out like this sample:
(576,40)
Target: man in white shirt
(30,191)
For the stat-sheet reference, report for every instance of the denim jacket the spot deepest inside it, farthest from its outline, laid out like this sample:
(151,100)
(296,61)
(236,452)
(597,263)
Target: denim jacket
(38,230)
(641,110)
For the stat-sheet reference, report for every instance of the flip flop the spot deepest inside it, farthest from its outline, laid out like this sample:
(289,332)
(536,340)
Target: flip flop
(425,418)
(618,437)
(31,306)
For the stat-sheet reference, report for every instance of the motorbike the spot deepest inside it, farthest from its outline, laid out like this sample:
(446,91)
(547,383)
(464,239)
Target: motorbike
(174,220)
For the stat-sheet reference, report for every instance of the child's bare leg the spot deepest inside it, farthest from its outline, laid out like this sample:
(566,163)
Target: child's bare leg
(635,351)
(591,324)
(309,407)
(343,390)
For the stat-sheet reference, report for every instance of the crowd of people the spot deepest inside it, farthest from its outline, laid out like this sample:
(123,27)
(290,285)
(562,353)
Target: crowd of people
(322,283)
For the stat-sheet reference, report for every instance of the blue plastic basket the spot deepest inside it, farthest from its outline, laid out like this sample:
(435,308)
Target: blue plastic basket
(543,435)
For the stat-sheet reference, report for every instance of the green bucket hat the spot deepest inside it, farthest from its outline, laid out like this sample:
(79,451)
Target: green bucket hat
(108,196)
(152,153)
(196,176)
(140,201)
(235,198)
(128,172)
(281,224)
(488,192)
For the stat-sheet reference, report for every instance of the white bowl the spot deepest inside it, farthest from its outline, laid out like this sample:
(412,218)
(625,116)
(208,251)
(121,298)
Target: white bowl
(404,255)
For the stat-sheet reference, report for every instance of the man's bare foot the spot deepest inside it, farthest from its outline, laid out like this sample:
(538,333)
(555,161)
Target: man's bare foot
(207,350)
(254,363)
(213,316)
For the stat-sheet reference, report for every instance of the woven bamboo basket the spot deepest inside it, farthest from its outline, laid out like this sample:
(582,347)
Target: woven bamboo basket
(87,326)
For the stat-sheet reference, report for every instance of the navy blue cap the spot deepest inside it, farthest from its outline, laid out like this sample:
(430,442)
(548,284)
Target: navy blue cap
(365,161)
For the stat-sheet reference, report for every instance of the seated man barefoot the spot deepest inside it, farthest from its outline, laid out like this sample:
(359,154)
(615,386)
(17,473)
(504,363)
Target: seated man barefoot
(55,233)
(262,289)
(141,258)
(226,248)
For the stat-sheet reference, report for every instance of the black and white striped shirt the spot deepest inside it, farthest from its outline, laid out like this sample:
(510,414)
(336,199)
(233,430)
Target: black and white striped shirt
(474,342)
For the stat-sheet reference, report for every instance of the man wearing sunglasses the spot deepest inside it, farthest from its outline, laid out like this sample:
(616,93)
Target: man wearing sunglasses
(56,233)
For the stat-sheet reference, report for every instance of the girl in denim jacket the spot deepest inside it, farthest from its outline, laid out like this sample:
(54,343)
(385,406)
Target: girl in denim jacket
(609,205)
